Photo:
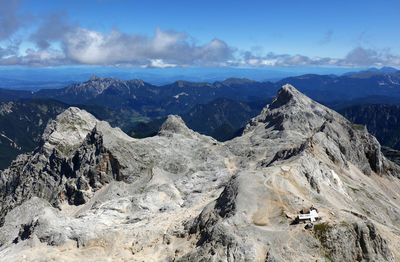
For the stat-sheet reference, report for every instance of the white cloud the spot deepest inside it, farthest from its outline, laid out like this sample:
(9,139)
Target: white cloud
(85,46)
(158,63)
(36,58)
(357,57)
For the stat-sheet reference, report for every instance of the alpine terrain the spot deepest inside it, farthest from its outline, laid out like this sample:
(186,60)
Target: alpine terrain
(90,192)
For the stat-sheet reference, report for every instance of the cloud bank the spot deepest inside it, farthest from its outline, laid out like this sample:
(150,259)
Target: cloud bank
(165,48)
(58,41)
(357,57)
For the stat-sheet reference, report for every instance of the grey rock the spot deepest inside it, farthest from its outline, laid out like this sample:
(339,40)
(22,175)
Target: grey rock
(359,241)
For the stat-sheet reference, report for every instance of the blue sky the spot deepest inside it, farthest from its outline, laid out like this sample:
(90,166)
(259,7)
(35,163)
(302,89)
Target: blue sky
(219,33)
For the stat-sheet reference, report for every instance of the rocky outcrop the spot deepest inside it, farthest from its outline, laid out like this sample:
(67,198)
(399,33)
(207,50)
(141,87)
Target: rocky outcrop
(52,172)
(182,196)
(359,241)
(175,125)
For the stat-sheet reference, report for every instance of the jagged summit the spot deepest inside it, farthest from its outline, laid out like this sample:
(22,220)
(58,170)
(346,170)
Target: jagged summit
(91,88)
(101,88)
(68,130)
(292,110)
(96,78)
(294,120)
(175,125)
(288,94)
(110,80)
(137,82)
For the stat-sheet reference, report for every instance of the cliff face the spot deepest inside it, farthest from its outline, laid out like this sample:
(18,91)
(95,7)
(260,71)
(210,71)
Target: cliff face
(91,192)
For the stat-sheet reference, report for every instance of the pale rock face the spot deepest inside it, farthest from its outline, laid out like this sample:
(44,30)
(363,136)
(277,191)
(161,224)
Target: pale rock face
(175,125)
(68,130)
(100,195)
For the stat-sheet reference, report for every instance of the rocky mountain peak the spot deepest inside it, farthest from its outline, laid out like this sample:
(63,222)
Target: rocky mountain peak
(174,125)
(292,110)
(299,122)
(96,78)
(68,130)
(93,87)
(136,82)
(290,96)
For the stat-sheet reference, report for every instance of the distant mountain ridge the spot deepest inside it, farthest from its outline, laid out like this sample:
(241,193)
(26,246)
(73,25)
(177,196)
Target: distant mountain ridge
(155,101)
(385,69)
(137,96)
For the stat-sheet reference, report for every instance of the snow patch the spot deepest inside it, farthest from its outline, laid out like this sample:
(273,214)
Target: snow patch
(335,182)
(180,94)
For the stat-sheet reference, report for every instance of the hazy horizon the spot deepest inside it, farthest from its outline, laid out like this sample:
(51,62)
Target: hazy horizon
(26,78)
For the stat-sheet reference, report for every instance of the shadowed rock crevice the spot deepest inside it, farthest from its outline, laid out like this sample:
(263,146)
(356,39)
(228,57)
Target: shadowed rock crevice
(225,205)
(25,232)
(287,153)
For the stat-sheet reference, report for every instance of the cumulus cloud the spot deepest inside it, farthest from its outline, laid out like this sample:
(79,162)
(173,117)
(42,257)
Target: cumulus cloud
(165,47)
(365,57)
(36,58)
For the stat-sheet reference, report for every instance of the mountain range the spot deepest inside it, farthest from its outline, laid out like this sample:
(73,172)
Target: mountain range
(179,97)
(89,192)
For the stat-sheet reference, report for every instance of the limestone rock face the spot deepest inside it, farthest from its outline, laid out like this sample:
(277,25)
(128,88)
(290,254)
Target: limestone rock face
(91,192)
(67,131)
(353,242)
(175,125)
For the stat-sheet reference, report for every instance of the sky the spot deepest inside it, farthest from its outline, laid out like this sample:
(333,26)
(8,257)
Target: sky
(193,33)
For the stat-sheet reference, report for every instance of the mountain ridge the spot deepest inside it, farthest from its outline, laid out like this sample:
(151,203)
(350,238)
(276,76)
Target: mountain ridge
(136,96)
